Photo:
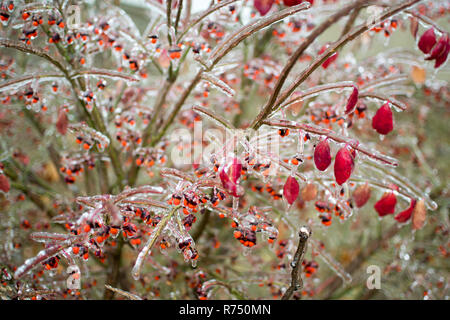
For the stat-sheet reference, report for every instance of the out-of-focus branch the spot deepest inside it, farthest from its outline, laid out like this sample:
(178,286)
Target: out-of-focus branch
(330,286)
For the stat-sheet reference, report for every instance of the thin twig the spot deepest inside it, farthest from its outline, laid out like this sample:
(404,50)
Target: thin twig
(123,293)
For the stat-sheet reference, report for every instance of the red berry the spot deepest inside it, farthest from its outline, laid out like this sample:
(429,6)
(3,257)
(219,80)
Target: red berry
(343,165)
(322,155)
(386,205)
(291,190)
(383,121)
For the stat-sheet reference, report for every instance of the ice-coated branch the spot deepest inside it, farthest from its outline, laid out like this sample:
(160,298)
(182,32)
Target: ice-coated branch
(24,80)
(332,49)
(136,272)
(32,50)
(203,15)
(104,72)
(213,116)
(123,293)
(311,92)
(238,36)
(230,42)
(269,106)
(40,257)
(398,104)
(311,128)
(296,264)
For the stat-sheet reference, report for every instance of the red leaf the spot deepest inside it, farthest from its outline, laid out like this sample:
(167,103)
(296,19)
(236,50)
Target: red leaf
(352,100)
(383,121)
(235,170)
(439,48)
(231,187)
(263,6)
(331,59)
(322,155)
(386,205)
(440,51)
(291,190)
(4,183)
(343,165)
(427,41)
(406,214)
(291,3)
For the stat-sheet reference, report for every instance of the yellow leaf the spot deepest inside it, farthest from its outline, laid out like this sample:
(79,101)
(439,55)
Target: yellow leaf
(418,75)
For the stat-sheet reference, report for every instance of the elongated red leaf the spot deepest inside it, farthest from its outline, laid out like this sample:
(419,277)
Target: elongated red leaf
(343,165)
(322,155)
(383,121)
(291,190)
(352,100)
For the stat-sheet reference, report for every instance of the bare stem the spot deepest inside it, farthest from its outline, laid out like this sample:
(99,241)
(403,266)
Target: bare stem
(296,280)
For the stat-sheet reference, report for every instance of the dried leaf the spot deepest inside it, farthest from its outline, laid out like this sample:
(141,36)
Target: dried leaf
(414,26)
(418,75)
(63,122)
(309,192)
(361,195)
(49,172)
(419,215)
